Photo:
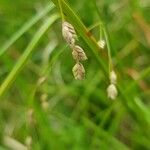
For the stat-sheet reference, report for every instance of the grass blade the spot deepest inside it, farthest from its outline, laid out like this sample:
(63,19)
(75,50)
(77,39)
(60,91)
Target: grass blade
(25,56)
(25,27)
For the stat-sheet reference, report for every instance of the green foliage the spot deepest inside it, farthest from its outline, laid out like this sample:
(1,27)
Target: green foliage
(40,99)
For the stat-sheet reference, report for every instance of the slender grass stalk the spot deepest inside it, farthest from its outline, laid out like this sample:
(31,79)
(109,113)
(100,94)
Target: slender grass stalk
(104,28)
(27,53)
(82,30)
(61,10)
(101,33)
(25,27)
(110,63)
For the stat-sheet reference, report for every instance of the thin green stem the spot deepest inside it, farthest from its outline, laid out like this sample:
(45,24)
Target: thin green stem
(94,25)
(61,10)
(104,28)
(116,144)
(110,63)
(101,33)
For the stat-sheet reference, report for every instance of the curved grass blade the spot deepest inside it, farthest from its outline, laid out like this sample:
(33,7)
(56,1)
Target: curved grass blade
(25,27)
(27,53)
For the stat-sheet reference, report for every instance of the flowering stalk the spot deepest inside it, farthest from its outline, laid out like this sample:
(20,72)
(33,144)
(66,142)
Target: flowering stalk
(69,34)
(101,41)
(110,64)
(111,90)
(61,11)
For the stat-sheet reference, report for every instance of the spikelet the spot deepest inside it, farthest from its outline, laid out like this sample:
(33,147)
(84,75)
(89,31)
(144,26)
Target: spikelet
(78,71)
(78,53)
(101,44)
(68,33)
(112,91)
(113,77)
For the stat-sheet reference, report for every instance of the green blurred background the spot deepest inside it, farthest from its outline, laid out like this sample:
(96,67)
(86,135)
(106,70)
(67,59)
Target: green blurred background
(45,108)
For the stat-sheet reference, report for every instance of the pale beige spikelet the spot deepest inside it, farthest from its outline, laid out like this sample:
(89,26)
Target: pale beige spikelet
(113,77)
(101,44)
(78,71)
(68,33)
(78,53)
(112,91)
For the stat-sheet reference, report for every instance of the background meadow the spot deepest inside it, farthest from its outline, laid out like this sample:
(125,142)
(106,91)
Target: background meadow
(42,106)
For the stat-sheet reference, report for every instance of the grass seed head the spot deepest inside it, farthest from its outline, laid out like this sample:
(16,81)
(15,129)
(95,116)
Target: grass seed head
(78,53)
(112,91)
(68,33)
(113,77)
(101,44)
(78,71)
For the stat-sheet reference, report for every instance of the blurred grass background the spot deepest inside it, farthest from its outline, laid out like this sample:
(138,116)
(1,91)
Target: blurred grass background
(45,107)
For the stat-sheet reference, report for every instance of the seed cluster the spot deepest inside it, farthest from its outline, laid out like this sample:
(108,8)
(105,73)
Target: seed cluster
(112,90)
(78,53)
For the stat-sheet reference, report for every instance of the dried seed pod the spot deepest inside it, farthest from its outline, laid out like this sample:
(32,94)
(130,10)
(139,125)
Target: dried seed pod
(78,71)
(113,77)
(112,91)
(101,44)
(68,33)
(78,53)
